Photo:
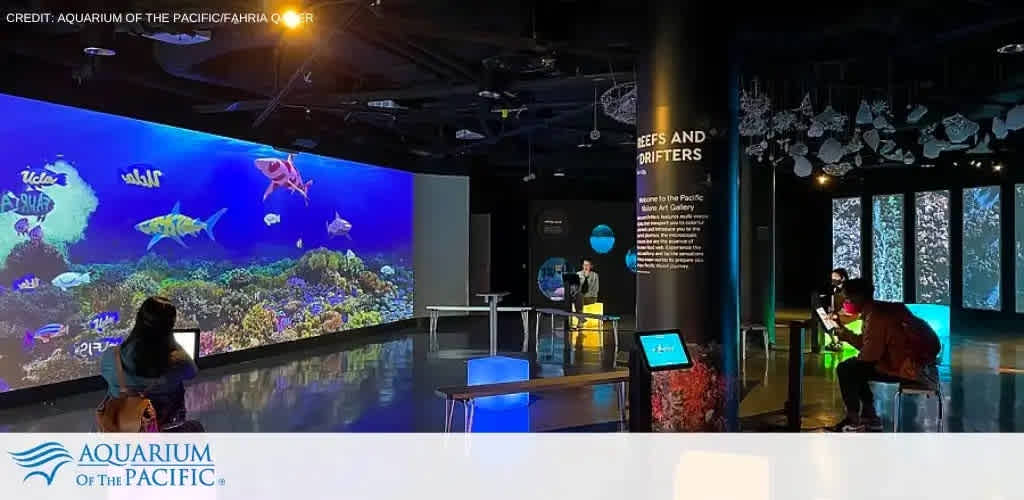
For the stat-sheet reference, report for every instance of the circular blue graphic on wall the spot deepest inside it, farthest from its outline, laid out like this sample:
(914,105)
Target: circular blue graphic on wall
(549,278)
(602,239)
(631,259)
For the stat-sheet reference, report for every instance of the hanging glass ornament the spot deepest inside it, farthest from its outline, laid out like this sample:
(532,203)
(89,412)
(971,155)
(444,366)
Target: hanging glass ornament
(864,113)
(831,151)
(982,147)
(959,128)
(816,130)
(802,167)
(999,128)
(871,139)
(917,113)
(805,108)
(1015,118)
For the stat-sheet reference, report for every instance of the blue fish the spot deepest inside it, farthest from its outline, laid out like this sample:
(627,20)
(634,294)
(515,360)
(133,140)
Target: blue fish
(102,320)
(44,334)
(34,203)
(38,178)
(25,283)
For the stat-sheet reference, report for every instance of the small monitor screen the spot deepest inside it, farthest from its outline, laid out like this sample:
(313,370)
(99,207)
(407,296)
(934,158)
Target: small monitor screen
(664,350)
(188,340)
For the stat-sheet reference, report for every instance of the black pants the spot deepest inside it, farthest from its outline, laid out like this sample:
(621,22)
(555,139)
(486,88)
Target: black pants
(854,376)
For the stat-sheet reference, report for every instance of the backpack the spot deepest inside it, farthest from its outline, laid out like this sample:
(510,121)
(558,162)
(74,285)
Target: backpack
(922,341)
(127,412)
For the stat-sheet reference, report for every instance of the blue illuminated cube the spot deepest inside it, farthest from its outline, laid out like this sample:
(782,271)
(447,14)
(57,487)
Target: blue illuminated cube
(495,370)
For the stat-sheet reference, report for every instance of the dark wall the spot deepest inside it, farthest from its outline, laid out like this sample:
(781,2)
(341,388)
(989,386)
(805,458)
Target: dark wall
(617,282)
(803,226)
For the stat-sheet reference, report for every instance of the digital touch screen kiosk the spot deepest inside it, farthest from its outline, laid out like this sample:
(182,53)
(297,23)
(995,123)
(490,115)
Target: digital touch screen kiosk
(653,351)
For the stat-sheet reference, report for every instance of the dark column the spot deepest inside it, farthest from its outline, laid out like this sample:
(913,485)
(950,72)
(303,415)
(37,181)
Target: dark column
(688,195)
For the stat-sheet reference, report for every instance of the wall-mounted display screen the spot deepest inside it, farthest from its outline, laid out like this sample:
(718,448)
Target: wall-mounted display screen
(887,246)
(931,247)
(253,245)
(846,240)
(981,248)
(1018,244)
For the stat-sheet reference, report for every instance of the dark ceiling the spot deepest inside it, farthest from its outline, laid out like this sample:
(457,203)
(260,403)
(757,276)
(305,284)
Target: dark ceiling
(545,60)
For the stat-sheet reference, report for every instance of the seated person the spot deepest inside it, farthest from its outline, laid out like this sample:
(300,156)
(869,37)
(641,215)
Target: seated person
(895,346)
(155,365)
(589,284)
(834,305)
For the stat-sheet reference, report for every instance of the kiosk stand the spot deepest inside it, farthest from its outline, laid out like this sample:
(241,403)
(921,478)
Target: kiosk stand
(653,351)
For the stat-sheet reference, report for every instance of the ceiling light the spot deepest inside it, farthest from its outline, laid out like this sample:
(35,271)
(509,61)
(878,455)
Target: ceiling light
(822,179)
(98,51)
(1011,48)
(997,167)
(489,94)
(291,19)
(559,173)
(529,177)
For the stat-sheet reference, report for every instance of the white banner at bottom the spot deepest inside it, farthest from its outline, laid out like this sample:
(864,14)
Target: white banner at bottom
(503,466)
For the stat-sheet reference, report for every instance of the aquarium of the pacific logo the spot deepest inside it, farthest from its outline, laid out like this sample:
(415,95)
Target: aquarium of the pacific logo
(120,464)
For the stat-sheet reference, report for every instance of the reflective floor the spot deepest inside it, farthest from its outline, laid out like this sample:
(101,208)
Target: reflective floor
(386,384)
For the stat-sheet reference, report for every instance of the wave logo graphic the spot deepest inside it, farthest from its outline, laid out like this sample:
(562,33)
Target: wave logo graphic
(43,460)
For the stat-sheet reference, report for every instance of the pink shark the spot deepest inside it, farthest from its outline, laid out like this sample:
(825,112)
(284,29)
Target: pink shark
(282,173)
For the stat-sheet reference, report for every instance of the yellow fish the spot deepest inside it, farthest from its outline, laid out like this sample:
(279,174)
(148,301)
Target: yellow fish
(175,225)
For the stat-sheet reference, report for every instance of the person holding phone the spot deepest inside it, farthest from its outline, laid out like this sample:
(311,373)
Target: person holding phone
(895,346)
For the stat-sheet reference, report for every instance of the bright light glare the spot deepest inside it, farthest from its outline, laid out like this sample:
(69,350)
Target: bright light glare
(291,19)
(822,179)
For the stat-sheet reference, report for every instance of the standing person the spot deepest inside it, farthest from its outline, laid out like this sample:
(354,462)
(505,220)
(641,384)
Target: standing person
(154,364)
(589,283)
(835,304)
(895,346)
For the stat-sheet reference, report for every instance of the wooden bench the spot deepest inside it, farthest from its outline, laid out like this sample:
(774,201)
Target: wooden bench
(467,394)
(614,319)
(435,314)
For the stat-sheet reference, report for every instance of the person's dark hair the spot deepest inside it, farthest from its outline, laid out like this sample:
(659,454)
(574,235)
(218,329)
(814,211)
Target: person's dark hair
(586,259)
(153,336)
(842,273)
(859,290)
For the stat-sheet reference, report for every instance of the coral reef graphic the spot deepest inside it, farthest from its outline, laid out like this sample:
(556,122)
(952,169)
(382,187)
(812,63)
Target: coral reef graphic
(887,247)
(66,224)
(981,253)
(691,400)
(931,240)
(846,242)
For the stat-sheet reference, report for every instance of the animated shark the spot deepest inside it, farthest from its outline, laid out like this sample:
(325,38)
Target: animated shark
(175,225)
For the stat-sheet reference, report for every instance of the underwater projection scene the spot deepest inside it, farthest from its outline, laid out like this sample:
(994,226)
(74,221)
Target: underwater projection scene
(887,246)
(931,246)
(1018,245)
(254,246)
(846,242)
(981,252)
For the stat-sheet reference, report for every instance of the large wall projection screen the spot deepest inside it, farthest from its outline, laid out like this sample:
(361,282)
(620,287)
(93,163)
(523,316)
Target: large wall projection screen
(981,248)
(254,245)
(846,241)
(1018,245)
(887,247)
(931,247)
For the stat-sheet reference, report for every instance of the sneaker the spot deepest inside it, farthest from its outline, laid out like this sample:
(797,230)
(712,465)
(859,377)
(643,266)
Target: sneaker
(847,426)
(872,424)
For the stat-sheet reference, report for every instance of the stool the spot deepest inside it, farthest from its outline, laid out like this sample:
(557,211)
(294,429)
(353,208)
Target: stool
(913,388)
(743,338)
